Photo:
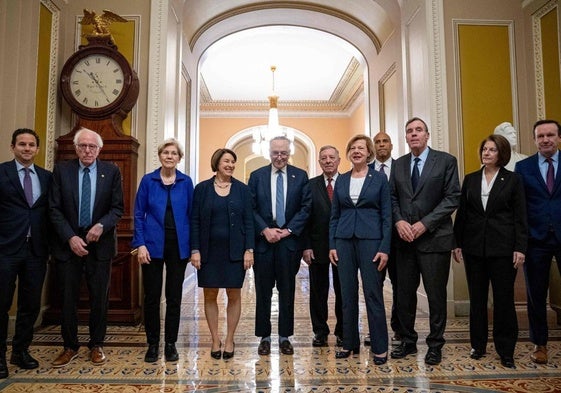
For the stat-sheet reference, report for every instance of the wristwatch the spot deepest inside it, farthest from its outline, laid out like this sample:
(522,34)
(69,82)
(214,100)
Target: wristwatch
(250,250)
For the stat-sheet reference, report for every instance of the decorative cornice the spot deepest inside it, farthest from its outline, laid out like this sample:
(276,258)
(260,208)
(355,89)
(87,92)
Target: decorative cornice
(53,83)
(295,5)
(348,90)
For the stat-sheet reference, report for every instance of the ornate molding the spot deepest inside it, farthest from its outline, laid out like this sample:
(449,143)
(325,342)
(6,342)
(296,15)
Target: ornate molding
(538,56)
(437,67)
(156,81)
(53,83)
(294,5)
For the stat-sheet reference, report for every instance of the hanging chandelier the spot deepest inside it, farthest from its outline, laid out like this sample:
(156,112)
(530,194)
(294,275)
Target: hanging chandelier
(262,135)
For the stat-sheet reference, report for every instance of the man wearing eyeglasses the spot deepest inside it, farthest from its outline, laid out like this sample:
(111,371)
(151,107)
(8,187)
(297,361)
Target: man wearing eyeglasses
(86,202)
(282,201)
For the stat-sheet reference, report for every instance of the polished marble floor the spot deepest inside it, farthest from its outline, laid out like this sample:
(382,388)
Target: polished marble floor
(309,370)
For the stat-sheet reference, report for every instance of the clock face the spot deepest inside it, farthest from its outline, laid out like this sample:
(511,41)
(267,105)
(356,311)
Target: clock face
(96,81)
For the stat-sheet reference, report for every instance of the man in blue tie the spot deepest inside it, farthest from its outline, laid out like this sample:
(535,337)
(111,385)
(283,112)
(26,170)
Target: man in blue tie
(542,184)
(24,248)
(86,202)
(281,200)
(425,193)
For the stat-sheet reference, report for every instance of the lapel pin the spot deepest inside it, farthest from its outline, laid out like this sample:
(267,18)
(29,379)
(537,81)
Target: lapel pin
(292,176)
(102,175)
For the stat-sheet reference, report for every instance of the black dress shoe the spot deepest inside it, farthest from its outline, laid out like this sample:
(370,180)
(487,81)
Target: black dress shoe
(170,352)
(3,367)
(151,353)
(286,348)
(229,355)
(264,348)
(433,356)
(339,341)
(319,341)
(507,361)
(403,350)
(476,353)
(345,354)
(23,359)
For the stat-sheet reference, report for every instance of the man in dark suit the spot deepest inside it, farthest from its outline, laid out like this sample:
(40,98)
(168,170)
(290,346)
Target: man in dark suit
(24,248)
(281,200)
(86,202)
(383,163)
(316,255)
(542,184)
(425,194)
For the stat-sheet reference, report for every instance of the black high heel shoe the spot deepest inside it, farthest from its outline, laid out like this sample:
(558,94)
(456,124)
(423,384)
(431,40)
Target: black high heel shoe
(229,355)
(345,354)
(216,354)
(379,360)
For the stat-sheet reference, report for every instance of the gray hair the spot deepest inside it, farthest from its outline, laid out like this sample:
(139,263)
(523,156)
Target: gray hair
(87,130)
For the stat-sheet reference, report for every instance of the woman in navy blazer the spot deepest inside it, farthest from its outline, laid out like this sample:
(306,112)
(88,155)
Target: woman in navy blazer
(491,234)
(161,234)
(359,239)
(222,241)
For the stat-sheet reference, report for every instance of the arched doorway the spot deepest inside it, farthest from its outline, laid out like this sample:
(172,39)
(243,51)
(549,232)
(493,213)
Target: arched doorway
(304,155)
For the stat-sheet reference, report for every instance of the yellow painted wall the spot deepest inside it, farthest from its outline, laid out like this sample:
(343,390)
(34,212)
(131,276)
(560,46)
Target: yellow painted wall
(215,132)
(485,80)
(551,70)
(42,84)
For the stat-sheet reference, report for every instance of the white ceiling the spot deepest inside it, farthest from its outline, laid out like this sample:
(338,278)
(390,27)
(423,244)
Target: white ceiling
(310,64)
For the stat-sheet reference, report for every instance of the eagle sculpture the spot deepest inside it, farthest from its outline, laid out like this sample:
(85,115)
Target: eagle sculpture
(100,22)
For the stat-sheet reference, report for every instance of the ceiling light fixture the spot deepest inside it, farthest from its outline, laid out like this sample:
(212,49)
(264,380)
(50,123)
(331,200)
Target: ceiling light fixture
(263,134)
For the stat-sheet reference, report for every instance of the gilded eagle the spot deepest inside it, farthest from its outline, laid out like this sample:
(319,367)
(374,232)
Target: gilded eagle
(101,22)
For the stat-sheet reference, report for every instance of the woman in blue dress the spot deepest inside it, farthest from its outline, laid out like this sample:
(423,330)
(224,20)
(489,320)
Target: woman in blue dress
(222,241)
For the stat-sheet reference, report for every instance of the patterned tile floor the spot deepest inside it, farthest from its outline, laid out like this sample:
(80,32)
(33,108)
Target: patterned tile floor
(309,370)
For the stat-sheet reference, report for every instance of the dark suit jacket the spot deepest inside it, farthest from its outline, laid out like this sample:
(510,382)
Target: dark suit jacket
(16,216)
(240,216)
(297,209)
(501,228)
(64,207)
(317,229)
(370,218)
(436,198)
(544,210)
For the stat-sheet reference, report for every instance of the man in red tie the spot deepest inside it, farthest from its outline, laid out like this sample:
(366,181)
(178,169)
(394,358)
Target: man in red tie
(542,184)
(316,254)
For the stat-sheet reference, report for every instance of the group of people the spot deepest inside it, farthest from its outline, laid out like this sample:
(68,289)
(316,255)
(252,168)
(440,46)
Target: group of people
(384,214)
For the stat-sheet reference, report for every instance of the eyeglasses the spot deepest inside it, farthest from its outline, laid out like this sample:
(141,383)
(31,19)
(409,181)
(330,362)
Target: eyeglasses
(85,146)
(279,153)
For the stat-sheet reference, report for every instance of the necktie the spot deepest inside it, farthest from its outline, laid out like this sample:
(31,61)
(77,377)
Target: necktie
(279,202)
(549,178)
(28,187)
(85,219)
(382,170)
(329,188)
(415,175)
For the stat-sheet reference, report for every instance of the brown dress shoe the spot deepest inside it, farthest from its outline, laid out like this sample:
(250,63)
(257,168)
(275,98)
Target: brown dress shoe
(540,354)
(65,357)
(97,356)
